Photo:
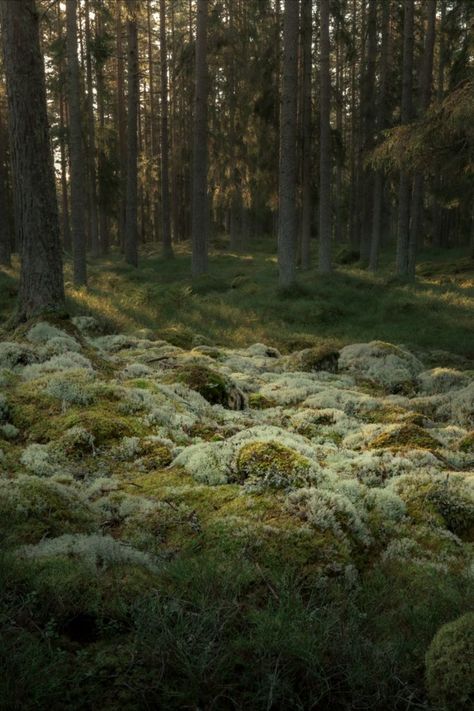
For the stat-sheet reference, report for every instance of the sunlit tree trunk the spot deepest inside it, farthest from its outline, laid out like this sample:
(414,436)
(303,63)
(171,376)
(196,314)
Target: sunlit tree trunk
(76,152)
(41,276)
(131,228)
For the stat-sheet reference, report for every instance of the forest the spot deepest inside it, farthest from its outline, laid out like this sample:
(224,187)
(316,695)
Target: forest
(236,355)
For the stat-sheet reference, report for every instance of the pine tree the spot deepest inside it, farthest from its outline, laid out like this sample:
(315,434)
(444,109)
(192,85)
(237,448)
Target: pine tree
(76,152)
(287,224)
(41,276)
(131,209)
(325,144)
(200,206)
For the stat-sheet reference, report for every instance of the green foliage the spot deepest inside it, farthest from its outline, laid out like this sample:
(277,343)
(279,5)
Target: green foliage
(450,665)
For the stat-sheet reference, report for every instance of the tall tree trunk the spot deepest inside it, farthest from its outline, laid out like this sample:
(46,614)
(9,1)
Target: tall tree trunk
(122,124)
(368,117)
(380,125)
(306,209)
(5,237)
(92,182)
(199,228)
(66,227)
(404,190)
(287,219)
(78,183)
(41,276)
(165,149)
(325,265)
(131,229)
(425,95)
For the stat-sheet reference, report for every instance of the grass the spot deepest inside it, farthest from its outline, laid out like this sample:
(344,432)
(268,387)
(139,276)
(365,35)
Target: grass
(238,303)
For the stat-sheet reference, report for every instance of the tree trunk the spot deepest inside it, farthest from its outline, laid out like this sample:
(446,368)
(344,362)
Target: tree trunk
(199,228)
(287,220)
(94,234)
(425,91)
(5,237)
(325,144)
(404,190)
(122,125)
(78,183)
(131,229)
(306,209)
(41,277)
(380,125)
(165,150)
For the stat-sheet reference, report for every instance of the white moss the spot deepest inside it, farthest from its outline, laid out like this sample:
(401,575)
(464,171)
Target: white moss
(97,552)
(71,388)
(9,431)
(441,380)
(58,363)
(381,363)
(15,355)
(87,325)
(330,511)
(128,449)
(38,459)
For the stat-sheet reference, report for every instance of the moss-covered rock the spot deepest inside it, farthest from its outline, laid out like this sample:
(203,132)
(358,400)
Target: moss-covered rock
(272,465)
(408,436)
(450,665)
(383,364)
(104,425)
(257,401)
(217,389)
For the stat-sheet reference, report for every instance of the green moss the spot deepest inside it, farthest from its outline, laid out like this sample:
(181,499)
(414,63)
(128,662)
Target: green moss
(214,387)
(32,508)
(154,455)
(310,360)
(466,444)
(450,665)
(272,465)
(407,436)
(434,500)
(257,401)
(104,425)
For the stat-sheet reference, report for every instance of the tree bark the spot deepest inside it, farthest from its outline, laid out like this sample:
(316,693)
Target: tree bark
(41,276)
(165,149)
(306,209)
(131,229)
(78,183)
(5,237)
(325,264)
(404,190)
(380,125)
(287,218)
(425,95)
(199,228)
(94,223)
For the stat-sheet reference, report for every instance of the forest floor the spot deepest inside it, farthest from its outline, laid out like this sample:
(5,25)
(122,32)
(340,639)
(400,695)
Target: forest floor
(208,500)
(239,304)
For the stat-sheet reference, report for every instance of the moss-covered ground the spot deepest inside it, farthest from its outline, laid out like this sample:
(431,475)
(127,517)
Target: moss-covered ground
(198,512)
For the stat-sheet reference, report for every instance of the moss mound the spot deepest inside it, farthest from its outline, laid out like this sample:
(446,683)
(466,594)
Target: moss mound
(450,665)
(311,360)
(272,465)
(214,387)
(445,501)
(410,436)
(32,508)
